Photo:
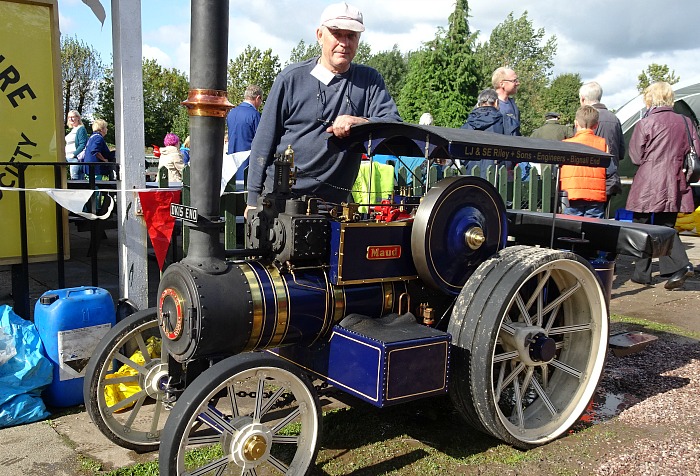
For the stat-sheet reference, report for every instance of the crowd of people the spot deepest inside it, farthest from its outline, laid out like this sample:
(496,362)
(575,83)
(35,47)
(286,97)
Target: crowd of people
(329,94)
(343,93)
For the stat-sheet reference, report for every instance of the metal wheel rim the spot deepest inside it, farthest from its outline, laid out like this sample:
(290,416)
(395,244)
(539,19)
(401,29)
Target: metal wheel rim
(222,419)
(536,403)
(130,418)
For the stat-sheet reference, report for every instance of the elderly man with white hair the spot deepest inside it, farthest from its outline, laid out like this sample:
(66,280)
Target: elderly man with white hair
(610,129)
(309,100)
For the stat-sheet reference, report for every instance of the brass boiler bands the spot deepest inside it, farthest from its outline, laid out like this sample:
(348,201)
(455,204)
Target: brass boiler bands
(253,306)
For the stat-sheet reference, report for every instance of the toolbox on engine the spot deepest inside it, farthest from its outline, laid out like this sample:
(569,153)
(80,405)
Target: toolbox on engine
(381,361)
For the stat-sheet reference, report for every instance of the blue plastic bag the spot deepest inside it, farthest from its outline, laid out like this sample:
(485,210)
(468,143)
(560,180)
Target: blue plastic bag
(24,375)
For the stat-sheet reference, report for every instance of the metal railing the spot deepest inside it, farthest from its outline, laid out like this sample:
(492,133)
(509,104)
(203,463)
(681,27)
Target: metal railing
(20,272)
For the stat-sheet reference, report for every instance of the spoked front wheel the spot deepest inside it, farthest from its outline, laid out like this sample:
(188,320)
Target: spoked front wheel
(250,414)
(530,329)
(124,380)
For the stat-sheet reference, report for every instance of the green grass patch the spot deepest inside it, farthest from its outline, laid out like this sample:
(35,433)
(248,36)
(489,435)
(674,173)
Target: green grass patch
(140,469)
(652,326)
(197,457)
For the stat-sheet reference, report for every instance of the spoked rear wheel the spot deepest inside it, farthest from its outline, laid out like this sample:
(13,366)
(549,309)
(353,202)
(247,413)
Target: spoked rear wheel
(530,329)
(124,396)
(250,414)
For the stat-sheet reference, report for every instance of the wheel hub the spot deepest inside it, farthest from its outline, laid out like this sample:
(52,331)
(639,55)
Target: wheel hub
(251,445)
(474,237)
(542,348)
(533,345)
(153,382)
(254,448)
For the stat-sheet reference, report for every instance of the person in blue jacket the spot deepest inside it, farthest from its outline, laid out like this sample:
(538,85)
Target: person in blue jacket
(485,117)
(96,150)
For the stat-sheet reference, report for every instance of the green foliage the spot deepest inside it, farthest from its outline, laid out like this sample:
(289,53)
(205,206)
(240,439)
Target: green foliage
(251,67)
(516,44)
(654,73)
(562,96)
(443,76)
(163,91)
(181,124)
(302,52)
(364,53)
(105,103)
(393,66)
(81,70)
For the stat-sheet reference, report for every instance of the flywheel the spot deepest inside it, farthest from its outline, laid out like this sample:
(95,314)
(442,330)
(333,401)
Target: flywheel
(459,224)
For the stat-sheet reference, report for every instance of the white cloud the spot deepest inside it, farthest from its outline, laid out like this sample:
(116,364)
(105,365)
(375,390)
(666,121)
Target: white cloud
(611,42)
(155,53)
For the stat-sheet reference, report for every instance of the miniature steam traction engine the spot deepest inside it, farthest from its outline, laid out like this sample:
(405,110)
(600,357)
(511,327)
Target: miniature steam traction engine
(442,300)
(516,334)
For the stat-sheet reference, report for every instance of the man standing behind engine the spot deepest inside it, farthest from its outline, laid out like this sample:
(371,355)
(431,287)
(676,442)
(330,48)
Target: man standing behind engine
(310,99)
(242,121)
(610,129)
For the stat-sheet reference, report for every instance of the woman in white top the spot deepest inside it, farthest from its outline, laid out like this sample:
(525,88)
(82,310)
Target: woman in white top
(76,140)
(171,158)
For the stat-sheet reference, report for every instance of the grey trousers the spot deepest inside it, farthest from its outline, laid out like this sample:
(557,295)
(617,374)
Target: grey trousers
(667,264)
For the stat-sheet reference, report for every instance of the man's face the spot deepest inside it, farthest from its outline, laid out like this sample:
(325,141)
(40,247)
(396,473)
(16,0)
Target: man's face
(510,83)
(338,48)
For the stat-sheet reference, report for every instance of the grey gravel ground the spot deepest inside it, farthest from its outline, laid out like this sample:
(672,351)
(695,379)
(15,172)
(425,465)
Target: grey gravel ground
(665,379)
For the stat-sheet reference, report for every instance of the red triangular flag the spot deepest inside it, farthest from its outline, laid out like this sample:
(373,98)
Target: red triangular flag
(159,223)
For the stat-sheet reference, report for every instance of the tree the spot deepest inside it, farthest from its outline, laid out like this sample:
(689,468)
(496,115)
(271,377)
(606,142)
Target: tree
(562,96)
(654,73)
(81,70)
(443,75)
(181,124)
(302,52)
(393,66)
(363,54)
(163,91)
(251,67)
(515,43)
(105,103)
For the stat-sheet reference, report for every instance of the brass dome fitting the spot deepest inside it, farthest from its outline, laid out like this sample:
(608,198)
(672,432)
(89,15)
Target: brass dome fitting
(254,448)
(474,237)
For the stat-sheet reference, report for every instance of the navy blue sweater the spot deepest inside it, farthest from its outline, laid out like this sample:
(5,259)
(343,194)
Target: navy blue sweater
(298,111)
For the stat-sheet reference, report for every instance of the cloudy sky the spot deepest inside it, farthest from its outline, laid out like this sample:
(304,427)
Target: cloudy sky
(607,41)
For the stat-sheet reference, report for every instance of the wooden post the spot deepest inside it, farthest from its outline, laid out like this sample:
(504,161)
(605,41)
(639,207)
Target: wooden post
(129,134)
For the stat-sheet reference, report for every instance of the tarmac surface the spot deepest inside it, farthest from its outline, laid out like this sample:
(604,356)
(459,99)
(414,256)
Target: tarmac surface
(58,445)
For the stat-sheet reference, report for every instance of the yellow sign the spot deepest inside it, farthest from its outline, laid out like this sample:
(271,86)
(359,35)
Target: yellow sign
(32,124)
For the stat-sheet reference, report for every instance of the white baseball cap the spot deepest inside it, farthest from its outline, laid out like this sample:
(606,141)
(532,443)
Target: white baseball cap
(341,16)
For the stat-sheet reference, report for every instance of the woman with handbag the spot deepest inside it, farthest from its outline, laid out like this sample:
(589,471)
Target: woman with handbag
(658,146)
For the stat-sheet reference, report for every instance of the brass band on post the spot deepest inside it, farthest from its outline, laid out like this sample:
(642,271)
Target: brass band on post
(207,102)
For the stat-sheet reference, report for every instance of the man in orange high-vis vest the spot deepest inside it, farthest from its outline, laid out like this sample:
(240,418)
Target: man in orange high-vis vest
(585,186)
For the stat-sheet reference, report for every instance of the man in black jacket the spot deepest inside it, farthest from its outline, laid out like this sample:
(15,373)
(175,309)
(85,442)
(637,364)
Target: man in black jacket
(610,129)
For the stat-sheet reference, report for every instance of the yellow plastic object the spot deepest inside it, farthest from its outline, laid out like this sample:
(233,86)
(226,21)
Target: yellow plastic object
(115,393)
(689,222)
(380,178)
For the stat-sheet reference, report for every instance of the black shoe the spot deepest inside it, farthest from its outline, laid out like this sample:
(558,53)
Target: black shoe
(678,278)
(645,283)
